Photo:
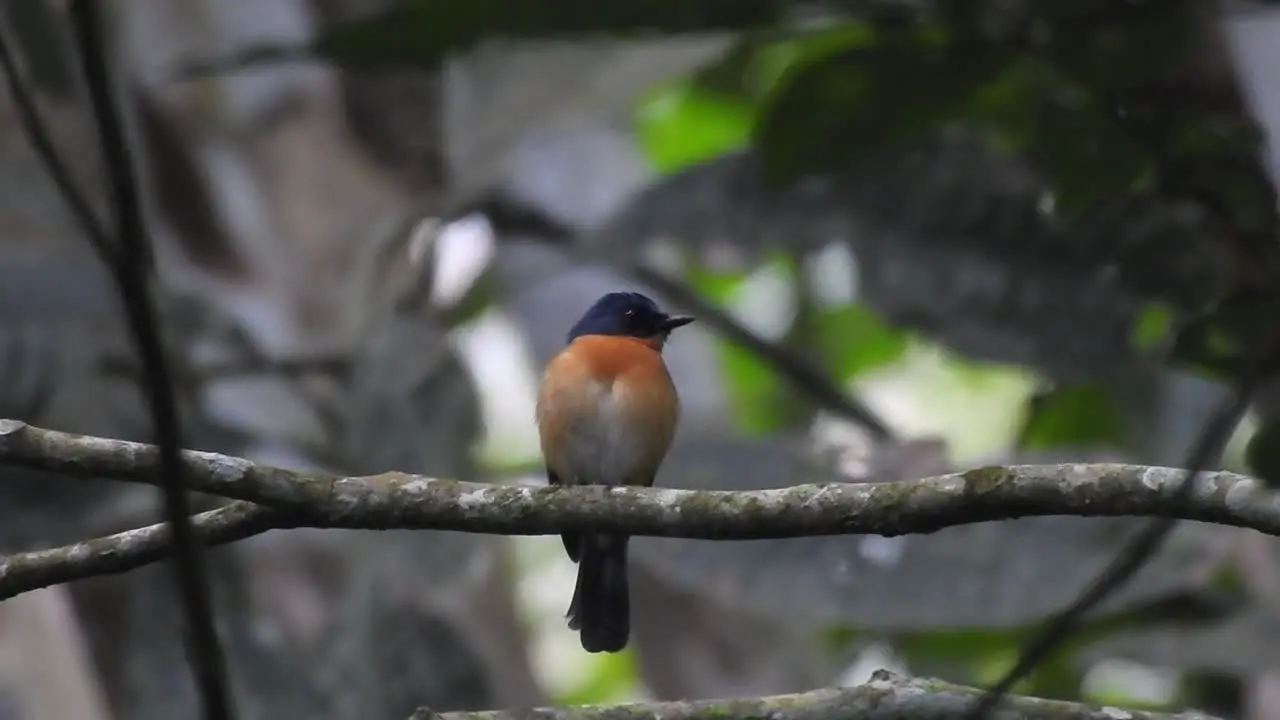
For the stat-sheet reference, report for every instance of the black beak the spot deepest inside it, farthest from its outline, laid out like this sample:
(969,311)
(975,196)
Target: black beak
(671,323)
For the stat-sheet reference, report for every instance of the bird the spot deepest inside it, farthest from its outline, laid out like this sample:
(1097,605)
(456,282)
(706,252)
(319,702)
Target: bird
(607,411)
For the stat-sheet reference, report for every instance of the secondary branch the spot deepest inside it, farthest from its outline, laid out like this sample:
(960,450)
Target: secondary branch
(885,696)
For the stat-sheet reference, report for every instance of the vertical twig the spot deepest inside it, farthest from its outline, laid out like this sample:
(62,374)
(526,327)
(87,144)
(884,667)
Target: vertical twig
(131,268)
(1209,445)
(29,119)
(786,363)
(512,217)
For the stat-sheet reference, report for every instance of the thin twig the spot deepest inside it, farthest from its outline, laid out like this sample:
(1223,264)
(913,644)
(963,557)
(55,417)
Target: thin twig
(124,551)
(787,364)
(205,372)
(34,127)
(1209,445)
(131,271)
(508,216)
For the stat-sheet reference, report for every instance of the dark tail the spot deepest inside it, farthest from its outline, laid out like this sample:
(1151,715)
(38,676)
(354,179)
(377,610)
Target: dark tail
(601,606)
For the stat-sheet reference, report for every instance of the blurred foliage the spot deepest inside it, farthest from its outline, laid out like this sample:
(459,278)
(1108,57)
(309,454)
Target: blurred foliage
(985,654)
(754,388)
(875,93)
(1102,104)
(1041,113)
(1005,574)
(1080,105)
(683,124)
(849,92)
(612,676)
(1058,83)
(1263,453)
(679,125)
(690,121)
(854,341)
(1061,87)
(988,654)
(1073,416)
(423,33)
(1153,330)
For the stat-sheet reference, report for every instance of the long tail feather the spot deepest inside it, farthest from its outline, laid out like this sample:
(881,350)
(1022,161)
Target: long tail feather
(601,607)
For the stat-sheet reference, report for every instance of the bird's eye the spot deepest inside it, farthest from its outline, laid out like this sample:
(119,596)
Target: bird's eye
(631,313)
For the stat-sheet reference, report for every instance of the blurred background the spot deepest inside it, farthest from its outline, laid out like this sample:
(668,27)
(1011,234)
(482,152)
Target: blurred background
(918,237)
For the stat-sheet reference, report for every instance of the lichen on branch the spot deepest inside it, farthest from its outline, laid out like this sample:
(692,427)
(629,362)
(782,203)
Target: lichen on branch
(886,696)
(267,498)
(400,500)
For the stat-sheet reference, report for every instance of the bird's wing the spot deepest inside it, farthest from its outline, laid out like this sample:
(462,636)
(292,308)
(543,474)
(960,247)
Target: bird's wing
(566,408)
(568,400)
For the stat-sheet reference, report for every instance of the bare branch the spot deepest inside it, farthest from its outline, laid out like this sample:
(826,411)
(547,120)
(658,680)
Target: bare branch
(397,500)
(807,379)
(400,500)
(124,551)
(1207,448)
(131,264)
(336,366)
(885,696)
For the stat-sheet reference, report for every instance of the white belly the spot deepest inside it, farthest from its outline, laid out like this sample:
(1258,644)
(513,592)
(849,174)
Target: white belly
(609,451)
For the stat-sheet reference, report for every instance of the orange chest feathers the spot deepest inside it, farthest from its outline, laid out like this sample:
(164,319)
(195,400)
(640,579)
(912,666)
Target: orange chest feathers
(607,411)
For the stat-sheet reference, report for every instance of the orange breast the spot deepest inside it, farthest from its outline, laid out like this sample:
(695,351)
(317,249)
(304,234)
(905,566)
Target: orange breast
(607,411)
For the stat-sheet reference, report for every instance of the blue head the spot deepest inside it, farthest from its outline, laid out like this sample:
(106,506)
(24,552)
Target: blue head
(627,315)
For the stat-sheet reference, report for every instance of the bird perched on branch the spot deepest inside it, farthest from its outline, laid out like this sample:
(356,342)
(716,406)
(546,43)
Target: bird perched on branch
(607,411)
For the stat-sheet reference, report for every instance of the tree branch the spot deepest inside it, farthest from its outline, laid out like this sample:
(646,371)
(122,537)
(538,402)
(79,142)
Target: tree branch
(885,696)
(131,266)
(400,500)
(807,379)
(124,551)
(1140,549)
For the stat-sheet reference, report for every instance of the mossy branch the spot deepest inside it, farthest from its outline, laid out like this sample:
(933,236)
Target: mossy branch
(269,498)
(885,696)
(276,498)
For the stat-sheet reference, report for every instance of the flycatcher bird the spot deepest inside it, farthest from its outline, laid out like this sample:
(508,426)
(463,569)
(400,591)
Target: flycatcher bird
(607,411)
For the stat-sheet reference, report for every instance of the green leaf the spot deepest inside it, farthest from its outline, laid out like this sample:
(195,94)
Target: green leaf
(421,33)
(838,639)
(1075,416)
(953,645)
(983,654)
(774,60)
(1154,327)
(869,97)
(682,124)
(754,388)
(855,341)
